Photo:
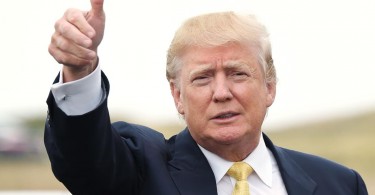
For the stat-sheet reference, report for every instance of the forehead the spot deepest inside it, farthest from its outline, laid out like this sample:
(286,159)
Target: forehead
(226,54)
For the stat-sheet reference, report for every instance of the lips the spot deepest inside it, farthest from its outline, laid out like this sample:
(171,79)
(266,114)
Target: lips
(225,115)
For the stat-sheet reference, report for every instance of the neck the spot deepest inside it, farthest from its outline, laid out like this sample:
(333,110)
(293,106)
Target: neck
(233,152)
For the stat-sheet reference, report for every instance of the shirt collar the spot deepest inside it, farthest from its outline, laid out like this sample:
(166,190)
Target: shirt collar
(259,160)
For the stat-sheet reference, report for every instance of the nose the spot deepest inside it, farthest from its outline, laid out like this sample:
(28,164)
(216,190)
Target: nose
(221,89)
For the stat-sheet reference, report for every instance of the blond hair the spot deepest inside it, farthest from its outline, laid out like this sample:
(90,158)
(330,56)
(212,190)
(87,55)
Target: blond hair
(217,29)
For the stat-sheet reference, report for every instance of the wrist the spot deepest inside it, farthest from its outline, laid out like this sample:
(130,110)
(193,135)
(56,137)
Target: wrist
(72,73)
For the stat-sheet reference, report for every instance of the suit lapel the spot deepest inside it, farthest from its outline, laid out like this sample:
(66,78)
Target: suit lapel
(296,180)
(189,168)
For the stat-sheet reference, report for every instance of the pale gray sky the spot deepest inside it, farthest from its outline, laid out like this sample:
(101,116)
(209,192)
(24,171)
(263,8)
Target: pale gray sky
(323,51)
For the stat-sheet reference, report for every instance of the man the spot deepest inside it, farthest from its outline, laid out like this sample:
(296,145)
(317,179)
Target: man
(222,79)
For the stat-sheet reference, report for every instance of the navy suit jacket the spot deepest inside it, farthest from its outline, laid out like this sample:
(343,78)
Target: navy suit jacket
(89,155)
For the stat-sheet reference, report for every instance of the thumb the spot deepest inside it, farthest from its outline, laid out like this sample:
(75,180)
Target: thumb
(97,6)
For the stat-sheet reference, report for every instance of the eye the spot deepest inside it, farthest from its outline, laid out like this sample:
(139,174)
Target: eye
(239,75)
(200,77)
(201,80)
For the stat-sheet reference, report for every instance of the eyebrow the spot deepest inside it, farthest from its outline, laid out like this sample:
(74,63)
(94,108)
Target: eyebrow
(239,64)
(235,64)
(202,68)
(228,65)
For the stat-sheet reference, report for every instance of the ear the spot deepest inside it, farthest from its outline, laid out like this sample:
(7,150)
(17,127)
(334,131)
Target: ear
(176,93)
(271,93)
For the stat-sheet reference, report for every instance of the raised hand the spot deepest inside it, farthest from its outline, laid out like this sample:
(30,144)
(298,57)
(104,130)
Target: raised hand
(76,39)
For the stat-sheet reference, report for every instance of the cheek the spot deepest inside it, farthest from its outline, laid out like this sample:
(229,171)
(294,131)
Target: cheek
(195,104)
(252,99)
(196,98)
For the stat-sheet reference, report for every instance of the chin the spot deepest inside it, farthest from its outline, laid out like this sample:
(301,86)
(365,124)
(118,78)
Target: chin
(228,137)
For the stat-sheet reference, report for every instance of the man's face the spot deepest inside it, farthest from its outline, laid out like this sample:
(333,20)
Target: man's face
(222,95)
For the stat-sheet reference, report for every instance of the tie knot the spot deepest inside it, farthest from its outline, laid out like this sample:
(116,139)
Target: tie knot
(240,171)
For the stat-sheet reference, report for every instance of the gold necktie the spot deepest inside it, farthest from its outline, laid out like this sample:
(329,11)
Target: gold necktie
(240,171)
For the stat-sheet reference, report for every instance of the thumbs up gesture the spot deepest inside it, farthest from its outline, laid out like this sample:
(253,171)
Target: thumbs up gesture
(76,39)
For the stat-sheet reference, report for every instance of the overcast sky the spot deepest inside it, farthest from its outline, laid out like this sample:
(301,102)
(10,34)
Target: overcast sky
(323,51)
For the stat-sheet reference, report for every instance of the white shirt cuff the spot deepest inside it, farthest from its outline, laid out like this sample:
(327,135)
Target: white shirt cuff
(80,96)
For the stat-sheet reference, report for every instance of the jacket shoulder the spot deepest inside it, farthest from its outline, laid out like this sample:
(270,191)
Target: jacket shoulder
(328,174)
(313,162)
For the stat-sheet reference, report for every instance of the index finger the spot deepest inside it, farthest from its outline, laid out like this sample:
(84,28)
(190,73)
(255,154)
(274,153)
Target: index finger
(77,18)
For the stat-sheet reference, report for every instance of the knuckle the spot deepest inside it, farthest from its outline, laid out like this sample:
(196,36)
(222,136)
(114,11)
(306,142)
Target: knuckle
(61,43)
(58,42)
(74,16)
(53,38)
(87,54)
(58,57)
(69,11)
(51,50)
(59,25)
(63,59)
(63,28)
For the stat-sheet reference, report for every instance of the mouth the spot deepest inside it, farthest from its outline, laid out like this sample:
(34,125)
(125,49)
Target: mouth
(225,115)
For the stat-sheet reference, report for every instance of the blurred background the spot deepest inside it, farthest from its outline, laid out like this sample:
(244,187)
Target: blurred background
(323,52)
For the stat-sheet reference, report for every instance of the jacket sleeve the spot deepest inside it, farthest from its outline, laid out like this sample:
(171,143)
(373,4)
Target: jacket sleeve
(86,153)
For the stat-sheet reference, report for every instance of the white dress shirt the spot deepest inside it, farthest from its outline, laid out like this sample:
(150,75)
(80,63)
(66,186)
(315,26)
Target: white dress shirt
(84,95)
(265,179)
(80,96)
